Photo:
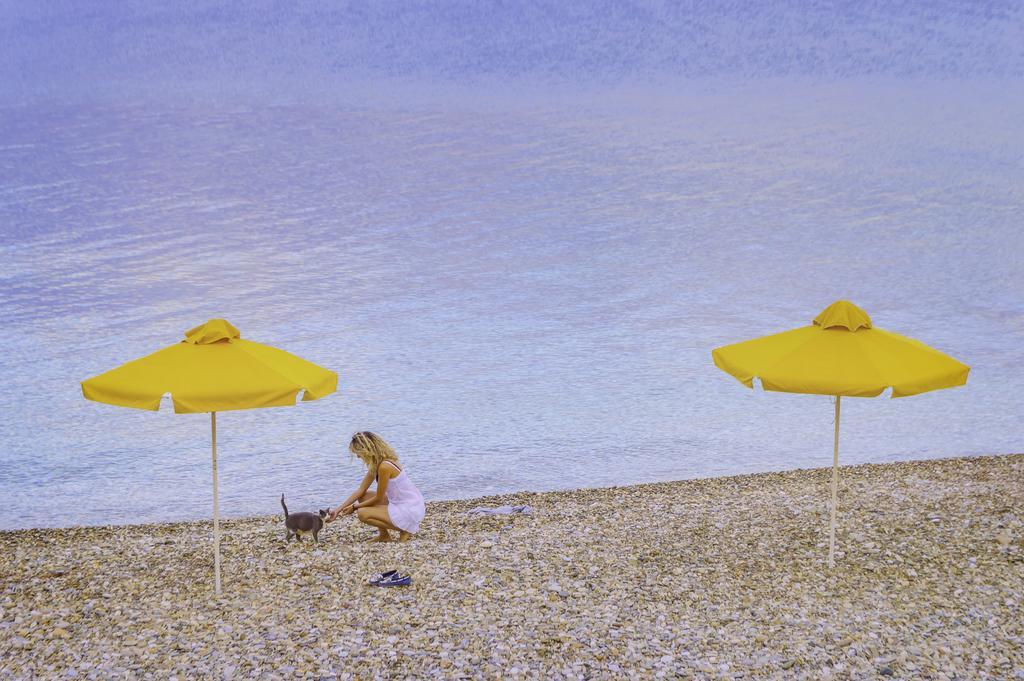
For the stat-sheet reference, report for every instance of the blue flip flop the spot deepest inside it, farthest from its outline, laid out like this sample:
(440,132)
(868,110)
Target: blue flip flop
(376,580)
(395,580)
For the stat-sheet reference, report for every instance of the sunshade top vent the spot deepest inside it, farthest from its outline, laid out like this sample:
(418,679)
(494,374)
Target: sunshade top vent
(213,331)
(843,314)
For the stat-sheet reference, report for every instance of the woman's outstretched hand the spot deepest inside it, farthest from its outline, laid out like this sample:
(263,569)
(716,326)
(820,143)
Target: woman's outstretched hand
(333,515)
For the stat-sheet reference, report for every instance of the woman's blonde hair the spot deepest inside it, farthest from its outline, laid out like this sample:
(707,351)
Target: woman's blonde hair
(371,449)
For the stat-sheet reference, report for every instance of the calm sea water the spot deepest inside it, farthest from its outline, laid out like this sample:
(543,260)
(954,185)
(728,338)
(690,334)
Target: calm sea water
(515,242)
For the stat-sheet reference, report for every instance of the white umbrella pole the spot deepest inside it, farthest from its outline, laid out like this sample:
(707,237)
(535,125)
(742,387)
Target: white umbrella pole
(216,510)
(835,487)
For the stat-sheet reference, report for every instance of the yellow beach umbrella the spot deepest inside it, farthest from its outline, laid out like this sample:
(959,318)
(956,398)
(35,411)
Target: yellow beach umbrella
(213,369)
(840,354)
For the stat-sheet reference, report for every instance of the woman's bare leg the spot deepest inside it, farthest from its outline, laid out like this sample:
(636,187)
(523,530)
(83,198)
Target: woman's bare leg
(377,516)
(382,534)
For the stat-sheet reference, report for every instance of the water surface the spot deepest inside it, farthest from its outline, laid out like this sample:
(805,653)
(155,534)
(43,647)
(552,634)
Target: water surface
(518,261)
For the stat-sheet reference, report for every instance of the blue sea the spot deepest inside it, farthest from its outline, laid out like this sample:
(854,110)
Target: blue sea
(515,230)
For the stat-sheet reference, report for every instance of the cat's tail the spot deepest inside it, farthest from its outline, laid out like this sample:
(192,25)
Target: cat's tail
(284,507)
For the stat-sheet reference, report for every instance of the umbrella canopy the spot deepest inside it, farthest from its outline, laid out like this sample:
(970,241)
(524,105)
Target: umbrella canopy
(213,369)
(842,354)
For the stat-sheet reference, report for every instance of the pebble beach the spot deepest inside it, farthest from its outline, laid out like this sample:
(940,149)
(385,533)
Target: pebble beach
(721,578)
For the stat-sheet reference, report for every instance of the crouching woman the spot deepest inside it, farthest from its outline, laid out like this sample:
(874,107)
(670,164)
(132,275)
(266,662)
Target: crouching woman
(395,504)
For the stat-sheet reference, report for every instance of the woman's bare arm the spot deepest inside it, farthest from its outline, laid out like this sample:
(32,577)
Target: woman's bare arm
(363,486)
(384,473)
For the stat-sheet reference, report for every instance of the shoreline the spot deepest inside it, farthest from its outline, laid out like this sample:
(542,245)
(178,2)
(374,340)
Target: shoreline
(705,578)
(496,498)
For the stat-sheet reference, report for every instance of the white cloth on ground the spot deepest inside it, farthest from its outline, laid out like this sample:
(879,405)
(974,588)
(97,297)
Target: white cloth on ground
(500,510)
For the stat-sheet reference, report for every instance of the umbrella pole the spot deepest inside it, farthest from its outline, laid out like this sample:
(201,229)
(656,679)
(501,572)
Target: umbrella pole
(216,510)
(835,487)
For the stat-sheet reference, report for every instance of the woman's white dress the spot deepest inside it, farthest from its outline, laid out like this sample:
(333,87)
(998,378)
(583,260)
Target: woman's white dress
(405,503)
